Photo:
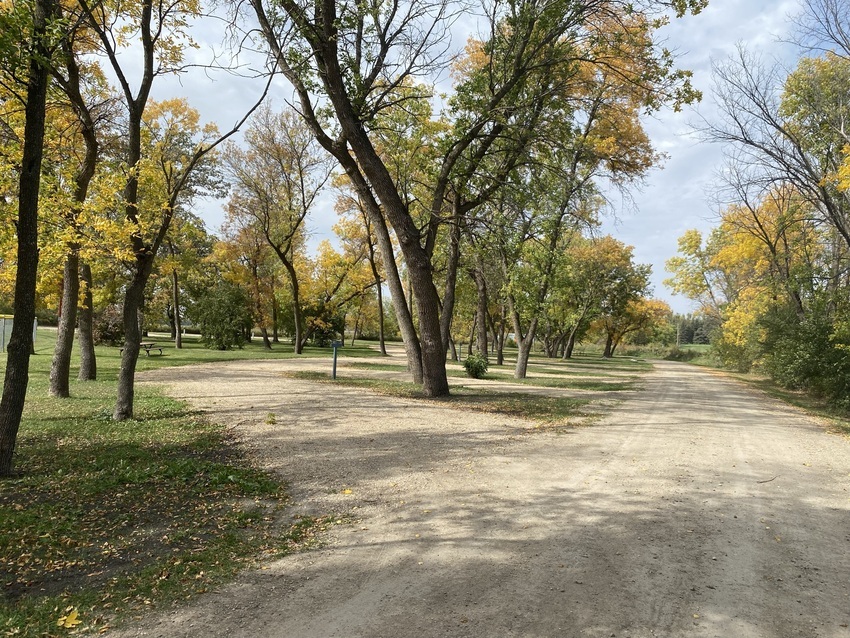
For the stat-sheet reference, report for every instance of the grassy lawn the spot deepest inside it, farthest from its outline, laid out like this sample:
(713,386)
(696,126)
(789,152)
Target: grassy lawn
(108,519)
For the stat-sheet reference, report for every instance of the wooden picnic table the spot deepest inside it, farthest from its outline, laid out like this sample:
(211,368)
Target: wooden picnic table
(147,346)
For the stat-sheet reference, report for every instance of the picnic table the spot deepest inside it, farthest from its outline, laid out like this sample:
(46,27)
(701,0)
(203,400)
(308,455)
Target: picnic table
(147,346)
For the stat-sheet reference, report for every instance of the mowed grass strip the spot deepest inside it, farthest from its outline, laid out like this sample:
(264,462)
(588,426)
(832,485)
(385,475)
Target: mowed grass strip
(106,519)
(541,409)
(556,377)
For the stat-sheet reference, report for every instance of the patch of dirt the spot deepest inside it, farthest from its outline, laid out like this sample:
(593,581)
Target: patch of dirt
(696,508)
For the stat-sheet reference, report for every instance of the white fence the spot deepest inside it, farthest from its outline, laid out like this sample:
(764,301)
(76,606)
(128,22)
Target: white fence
(6,322)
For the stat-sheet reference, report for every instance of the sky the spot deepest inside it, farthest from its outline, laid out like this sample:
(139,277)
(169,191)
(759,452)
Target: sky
(678,197)
(673,199)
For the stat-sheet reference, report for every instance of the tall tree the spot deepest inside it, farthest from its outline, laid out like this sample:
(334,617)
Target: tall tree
(276,182)
(353,57)
(158,33)
(20,344)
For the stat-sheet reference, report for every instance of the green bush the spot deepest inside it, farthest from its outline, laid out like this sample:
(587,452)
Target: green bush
(677,354)
(222,314)
(475,365)
(808,354)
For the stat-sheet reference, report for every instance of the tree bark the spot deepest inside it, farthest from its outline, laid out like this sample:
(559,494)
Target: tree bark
(385,247)
(88,359)
(267,344)
(609,350)
(524,342)
(300,337)
(453,258)
(481,311)
(60,368)
(20,343)
(571,344)
(178,324)
(133,300)
(275,335)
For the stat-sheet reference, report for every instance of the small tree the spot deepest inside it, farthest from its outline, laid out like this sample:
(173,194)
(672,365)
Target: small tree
(223,315)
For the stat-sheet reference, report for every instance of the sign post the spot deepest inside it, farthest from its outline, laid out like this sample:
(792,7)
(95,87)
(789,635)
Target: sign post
(336,345)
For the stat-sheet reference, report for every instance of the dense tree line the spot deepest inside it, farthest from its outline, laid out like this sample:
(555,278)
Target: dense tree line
(774,274)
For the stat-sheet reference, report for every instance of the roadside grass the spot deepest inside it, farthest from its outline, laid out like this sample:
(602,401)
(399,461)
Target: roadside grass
(193,351)
(543,410)
(106,519)
(838,419)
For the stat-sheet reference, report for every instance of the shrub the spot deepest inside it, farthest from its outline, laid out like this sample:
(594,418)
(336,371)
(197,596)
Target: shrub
(222,314)
(677,354)
(475,365)
(809,354)
(108,326)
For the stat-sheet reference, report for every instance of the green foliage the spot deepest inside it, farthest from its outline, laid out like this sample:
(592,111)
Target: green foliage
(475,365)
(678,354)
(223,315)
(808,355)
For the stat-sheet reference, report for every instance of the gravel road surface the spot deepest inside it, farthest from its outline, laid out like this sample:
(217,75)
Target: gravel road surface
(698,507)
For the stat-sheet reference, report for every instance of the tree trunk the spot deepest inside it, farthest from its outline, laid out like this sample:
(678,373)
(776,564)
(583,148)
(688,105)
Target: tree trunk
(60,368)
(267,344)
(275,335)
(20,343)
(452,260)
(296,302)
(88,359)
(524,353)
(133,300)
(571,344)
(381,339)
(481,310)
(434,380)
(178,324)
(609,350)
(405,320)
(524,342)
(499,336)
(169,312)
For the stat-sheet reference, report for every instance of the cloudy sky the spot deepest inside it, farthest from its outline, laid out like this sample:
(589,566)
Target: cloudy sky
(678,197)
(673,200)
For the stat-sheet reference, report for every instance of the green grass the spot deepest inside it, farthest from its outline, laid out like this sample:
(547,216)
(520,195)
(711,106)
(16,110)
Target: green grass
(544,410)
(109,519)
(610,368)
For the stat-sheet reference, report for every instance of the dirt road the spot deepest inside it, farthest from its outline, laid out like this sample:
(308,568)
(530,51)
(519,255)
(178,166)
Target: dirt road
(698,508)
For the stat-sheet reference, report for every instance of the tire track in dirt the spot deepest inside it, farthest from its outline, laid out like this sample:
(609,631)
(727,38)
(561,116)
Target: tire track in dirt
(664,519)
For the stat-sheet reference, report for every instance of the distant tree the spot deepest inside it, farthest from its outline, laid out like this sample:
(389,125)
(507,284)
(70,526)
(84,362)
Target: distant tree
(276,181)
(222,313)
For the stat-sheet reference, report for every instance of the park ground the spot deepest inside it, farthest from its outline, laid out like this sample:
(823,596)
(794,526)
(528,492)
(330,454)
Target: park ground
(696,507)
(631,500)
